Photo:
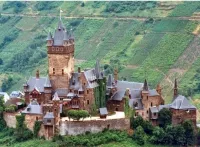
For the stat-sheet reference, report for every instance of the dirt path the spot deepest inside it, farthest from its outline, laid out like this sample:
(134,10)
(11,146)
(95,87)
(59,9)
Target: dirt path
(181,66)
(34,15)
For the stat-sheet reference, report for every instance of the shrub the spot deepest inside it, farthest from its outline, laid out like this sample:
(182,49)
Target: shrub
(189,132)
(139,136)
(11,108)
(77,114)
(36,128)
(157,136)
(164,117)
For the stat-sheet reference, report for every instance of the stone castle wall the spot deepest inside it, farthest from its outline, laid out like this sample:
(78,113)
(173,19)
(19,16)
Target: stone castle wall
(93,126)
(10,119)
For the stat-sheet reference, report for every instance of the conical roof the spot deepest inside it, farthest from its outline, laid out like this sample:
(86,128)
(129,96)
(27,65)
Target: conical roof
(110,82)
(145,87)
(66,37)
(49,37)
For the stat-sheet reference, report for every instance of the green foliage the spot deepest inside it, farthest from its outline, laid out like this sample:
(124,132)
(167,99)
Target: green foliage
(118,7)
(170,25)
(138,121)
(7,83)
(16,5)
(157,136)
(94,110)
(77,114)
(139,135)
(92,139)
(36,128)
(185,9)
(129,112)
(22,133)
(164,117)
(189,132)
(11,108)
(4,19)
(45,5)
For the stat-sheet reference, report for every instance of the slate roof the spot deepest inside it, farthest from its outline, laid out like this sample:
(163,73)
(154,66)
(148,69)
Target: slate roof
(136,103)
(154,109)
(97,70)
(91,78)
(38,83)
(110,81)
(62,92)
(123,85)
(118,95)
(182,103)
(74,81)
(103,111)
(60,34)
(33,108)
(153,92)
(136,93)
(49,115)
(55,97)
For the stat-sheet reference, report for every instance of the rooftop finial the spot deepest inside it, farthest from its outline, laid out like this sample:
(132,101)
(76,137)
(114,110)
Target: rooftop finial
(60,13)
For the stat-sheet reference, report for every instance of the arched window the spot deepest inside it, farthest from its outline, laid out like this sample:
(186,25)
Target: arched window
(151,104)
(54,71)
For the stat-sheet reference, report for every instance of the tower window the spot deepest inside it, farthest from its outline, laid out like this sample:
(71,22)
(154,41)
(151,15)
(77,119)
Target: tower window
(62,71)
(151,104)
(87,91)
(53,70)
(88,102)
(147,111)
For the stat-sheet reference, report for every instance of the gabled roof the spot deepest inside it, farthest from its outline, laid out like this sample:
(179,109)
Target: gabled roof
(118,95)
(123,85)
(103,111)
(38,83)
(33,108)
(55,97)
(181,103)
(153,92)
(49,115)
(136,103)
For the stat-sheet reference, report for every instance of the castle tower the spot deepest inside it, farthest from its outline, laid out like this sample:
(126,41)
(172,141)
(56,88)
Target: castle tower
(56,107)
(175,89)
(60,50)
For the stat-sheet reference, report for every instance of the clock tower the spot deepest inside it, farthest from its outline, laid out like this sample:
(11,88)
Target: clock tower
(60,49)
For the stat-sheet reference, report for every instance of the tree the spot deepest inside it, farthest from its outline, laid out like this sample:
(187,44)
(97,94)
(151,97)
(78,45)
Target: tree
(148,127)
(77,114)
(189,132)
(164,117)
(138,121)
(139,136)
(157,136)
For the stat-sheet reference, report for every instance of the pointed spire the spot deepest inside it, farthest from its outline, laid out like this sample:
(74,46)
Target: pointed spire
(115,74)
(37,74)
(110,82)
(66,37)
(97,69)
(175,88)
(55,97)
(71,34)
(145,86)
(49,37)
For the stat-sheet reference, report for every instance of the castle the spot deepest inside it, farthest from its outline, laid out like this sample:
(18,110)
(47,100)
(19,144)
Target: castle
(64,89)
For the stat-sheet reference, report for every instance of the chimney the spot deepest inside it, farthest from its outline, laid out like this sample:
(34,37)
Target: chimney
(37,74)
(79,70)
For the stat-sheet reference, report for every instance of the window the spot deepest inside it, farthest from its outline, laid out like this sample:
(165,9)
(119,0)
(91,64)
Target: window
(116,109)
(36,118)
(147,97)
(53,70)
(48,120)
(87,91)
(151,104)
(147,111)
(154,114)
(62,71)
(88,102)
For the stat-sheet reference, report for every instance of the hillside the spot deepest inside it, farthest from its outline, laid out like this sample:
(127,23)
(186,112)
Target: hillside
(154,40)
